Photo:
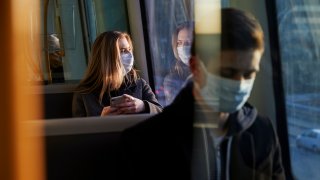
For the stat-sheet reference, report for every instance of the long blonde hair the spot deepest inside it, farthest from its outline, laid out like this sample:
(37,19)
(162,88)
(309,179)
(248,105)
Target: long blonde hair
(105,70)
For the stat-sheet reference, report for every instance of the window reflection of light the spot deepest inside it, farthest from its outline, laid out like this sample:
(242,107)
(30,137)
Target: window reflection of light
(207,16)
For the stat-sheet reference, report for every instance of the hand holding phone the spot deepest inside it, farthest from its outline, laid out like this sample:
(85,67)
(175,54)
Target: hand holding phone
(114,101)
(127,104)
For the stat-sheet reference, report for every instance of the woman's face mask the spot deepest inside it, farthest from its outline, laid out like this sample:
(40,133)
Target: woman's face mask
(184,53)
(127,61)
(225,95)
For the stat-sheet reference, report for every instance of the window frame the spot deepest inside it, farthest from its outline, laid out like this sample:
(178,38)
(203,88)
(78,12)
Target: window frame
(278,86)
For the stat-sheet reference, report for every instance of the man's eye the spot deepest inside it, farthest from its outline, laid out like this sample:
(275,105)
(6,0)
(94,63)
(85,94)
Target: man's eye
(227,73)
(249,75)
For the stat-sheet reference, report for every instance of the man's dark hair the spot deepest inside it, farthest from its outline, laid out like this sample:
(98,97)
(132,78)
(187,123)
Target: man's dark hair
(240,31)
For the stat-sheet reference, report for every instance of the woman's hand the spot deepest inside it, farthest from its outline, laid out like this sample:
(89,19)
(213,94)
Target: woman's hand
(131,105)
(108,110)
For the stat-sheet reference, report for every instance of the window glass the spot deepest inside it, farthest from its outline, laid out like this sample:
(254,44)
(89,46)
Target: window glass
(108,15)
(299,35)
(69,29)
(163,17)
(312,135)
(63,46)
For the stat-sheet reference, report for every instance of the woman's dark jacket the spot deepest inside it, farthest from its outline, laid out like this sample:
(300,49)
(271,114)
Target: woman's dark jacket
(167,146)
(89,105)
(174,81)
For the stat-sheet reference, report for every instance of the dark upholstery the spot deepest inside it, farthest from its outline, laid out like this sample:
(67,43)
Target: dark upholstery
(58,105)
(82,156)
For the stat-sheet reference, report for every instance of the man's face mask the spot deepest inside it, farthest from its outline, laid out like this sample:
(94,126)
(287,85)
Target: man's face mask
(184,53)
(226,95)
(127,61)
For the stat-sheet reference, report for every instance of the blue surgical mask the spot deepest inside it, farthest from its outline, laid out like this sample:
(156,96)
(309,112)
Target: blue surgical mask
(184,53)
(127,61)
(226,95)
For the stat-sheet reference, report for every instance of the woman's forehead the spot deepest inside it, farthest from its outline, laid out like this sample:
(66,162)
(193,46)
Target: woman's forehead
(123,43)
(185,34)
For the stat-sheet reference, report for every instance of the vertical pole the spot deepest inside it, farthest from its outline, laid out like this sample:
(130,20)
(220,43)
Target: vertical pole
(45,39)
(21,155)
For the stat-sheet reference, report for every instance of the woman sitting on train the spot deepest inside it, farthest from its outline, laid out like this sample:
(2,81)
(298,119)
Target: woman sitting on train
(111,74)
(181,45)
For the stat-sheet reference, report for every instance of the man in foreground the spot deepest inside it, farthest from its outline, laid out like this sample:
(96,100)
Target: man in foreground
(210,131)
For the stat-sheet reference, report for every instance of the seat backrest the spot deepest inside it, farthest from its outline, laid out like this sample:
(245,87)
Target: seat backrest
(82,156)
(58,105)
(84,148)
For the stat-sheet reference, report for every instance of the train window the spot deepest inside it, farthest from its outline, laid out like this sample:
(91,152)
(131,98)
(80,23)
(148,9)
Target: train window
(103,15)
(69,28)
(163,17)
(299,37)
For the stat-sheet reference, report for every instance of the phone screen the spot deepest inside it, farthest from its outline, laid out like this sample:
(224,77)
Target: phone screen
(117,100)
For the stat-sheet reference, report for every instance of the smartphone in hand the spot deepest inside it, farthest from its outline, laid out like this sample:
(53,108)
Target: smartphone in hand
(114,101)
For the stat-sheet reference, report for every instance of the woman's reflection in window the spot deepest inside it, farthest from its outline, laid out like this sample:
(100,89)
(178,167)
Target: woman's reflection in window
(181,46)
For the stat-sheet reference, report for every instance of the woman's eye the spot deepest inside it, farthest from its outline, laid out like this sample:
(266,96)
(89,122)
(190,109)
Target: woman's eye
(187,43)
(125,50)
